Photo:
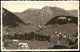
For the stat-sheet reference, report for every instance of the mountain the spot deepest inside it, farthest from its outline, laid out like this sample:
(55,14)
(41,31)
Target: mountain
(25,14)
(61,20)
(30,11)
(48,13)
(73,12)
(32,17)
(12,23)
(42,16)
(10,20)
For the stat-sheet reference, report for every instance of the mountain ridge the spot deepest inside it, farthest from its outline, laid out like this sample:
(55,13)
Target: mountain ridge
(47,13)
(10,20)
(40,18)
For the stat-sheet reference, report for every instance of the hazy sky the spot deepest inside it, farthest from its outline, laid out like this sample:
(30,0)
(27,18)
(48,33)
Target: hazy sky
(15,6)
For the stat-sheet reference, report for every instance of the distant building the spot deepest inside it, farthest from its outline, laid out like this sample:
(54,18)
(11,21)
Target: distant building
(15,40)
(62,18)
(23,45)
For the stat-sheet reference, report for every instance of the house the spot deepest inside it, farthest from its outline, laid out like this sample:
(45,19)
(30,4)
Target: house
(62,18)
(23,45)
(15,40)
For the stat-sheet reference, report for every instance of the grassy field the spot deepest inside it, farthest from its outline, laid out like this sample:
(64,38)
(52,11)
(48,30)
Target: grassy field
(68,29)
(31,44)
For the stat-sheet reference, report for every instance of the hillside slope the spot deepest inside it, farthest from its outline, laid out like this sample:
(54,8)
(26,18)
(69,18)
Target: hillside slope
(10,20)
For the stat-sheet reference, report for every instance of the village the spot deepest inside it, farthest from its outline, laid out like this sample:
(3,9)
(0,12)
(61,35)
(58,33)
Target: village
(69,41)
(23,40)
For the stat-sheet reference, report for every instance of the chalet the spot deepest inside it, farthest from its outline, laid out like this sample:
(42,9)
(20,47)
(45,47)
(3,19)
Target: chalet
(23,45)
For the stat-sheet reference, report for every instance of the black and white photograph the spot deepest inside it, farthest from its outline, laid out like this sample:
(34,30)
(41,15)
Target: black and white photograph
(39,25)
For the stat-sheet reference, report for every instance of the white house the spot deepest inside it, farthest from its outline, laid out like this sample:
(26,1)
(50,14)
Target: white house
(62,18)
(23,45)
(64,36)
(60,33)
(15,40)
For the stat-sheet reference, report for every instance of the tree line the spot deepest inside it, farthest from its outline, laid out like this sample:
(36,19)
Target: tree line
(28,36)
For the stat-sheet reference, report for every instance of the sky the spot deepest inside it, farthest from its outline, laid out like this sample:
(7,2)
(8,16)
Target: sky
(20,6)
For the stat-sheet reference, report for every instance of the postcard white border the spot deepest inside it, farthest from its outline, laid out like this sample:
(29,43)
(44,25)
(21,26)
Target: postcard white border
(39,49)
